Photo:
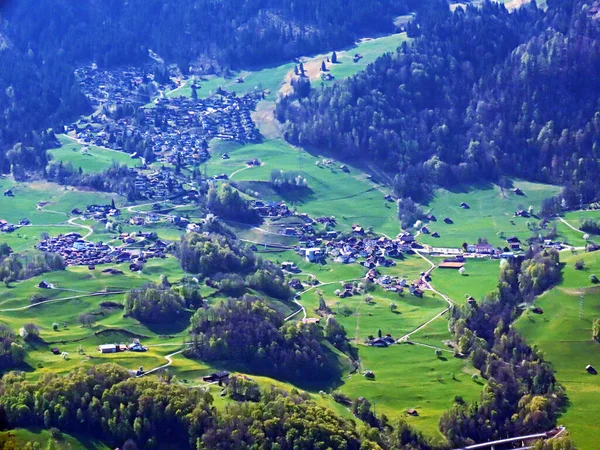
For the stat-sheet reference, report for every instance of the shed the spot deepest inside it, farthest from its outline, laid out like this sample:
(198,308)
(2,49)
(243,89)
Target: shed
(412,412)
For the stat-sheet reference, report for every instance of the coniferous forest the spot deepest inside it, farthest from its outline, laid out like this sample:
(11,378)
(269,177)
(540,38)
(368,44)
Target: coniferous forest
(477,95)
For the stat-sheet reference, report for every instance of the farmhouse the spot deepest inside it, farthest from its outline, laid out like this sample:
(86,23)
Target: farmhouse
(107,348)
(217,377)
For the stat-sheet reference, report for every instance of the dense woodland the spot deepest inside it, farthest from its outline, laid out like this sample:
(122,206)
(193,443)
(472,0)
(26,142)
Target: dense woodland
(248,333)
(522,395)
(478,94)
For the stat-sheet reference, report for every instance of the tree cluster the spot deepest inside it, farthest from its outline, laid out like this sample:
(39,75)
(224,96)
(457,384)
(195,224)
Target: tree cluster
(522,395)
(246,331)
(154,304)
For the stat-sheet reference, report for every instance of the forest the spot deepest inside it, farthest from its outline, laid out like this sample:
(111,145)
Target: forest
(246,331)
(479,94)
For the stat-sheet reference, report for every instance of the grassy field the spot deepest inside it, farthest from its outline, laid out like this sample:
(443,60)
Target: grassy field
(350,197)
(19,437)
(96,159)
(410,376)
(490,214)
(480,278)
(565,338)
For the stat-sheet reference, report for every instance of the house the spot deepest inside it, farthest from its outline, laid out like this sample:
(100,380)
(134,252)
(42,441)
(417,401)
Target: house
(412,412)
(9,193)
(464,205)
(296,284)
(448,220)
(591,369)
(484,249)
(313,254)
(107,348)
(217,377)
(512,239)
(435,234)
(135,346)
(55,350)
(378,342)
(518,191)
(225,156)
(425,230)
(289,266)
(45,285)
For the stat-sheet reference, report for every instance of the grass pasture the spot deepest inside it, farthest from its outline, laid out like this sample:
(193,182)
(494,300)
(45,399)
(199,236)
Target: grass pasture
(95,159)
(489,216)
(410,376)
(565,338)
(17,438)
(480,278)
(350,197)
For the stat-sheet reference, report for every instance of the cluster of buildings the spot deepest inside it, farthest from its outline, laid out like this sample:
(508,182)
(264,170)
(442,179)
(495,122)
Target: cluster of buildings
(76,251)
(158,185)
(6,227)
(271,209)
(135,346)
(97,212)
(177,130)
(113,87)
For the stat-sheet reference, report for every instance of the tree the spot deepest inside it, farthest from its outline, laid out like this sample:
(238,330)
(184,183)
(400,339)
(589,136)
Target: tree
(438,353)
(596,330)
(30,332)
(86,319)
(323,66)
(579,264)
(393,307)
(334,59)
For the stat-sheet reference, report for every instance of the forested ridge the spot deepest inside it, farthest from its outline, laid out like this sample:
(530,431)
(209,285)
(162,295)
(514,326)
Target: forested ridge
(480,93)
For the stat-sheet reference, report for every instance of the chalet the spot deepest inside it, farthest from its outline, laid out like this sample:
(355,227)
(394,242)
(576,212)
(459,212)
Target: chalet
(412,412)
(518,191)
(9,193)
(591,369)
(45,285)
(296,284)
(378,342)
(217,377)
(416,291)
(107,348)
(344,168)
(389,198)
(55,350)
(448,220)
(135,346)
(522,213)
(471,301)
(435,234)
(464,205)
(484,249)
(24,222)
(289,266)
(431,218)
(513,239)
(425,230)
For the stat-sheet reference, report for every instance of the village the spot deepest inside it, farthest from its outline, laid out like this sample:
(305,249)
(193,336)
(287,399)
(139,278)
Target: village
(173,130)
(76,251)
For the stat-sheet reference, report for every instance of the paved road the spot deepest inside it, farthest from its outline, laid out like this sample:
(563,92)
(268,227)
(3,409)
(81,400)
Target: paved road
(169,359)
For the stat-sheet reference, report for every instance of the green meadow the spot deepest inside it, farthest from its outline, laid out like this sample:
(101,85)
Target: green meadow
(491,213)
(480,279)
(410,376)
(95,159)
(563,333)
(350,197)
